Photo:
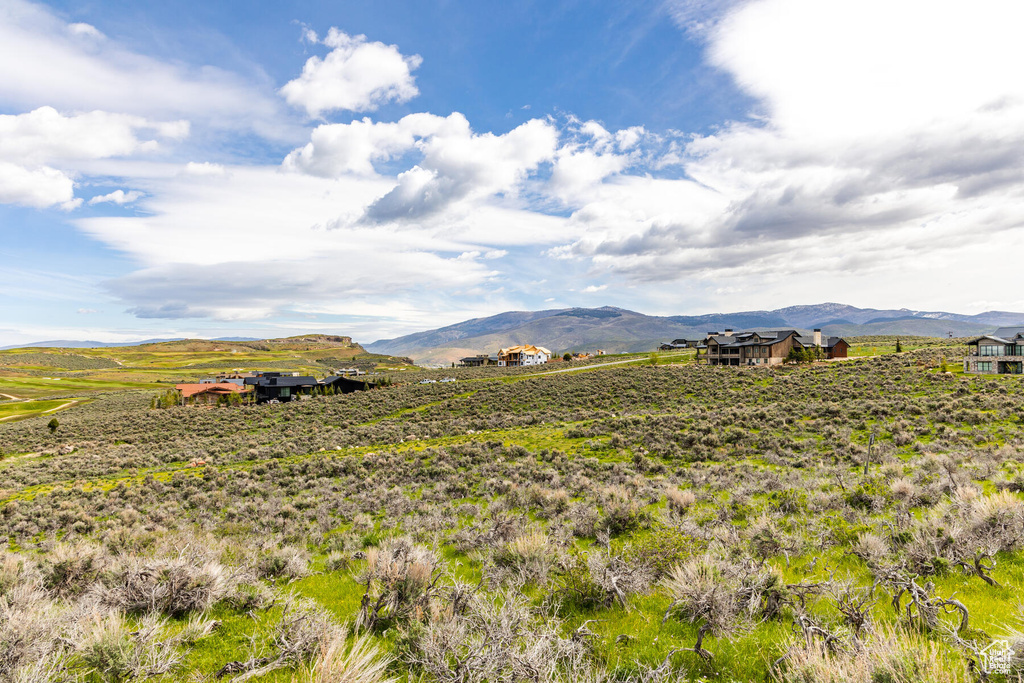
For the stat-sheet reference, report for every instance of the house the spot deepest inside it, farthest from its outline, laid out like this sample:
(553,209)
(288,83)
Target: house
(342,384)
(766,348)
(999,353)
(270,386)
(523,354)
(831,347)
(680,344)
(209,392)
(478,361)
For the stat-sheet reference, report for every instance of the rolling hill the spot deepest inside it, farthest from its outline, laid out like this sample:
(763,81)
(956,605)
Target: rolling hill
(620,330)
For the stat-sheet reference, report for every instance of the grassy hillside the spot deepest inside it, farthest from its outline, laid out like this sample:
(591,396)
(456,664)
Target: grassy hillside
(646,522)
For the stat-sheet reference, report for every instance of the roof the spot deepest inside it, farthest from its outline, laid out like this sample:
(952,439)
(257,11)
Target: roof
(751,338)
(342,379)
(524,348)
(281,381)
(1009,332)
(991,337)
(826,342)
(218,389)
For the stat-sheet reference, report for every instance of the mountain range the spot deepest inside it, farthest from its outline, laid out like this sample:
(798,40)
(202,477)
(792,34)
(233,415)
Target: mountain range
(620,330)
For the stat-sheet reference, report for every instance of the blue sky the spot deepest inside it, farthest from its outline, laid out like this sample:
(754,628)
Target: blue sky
(266,169)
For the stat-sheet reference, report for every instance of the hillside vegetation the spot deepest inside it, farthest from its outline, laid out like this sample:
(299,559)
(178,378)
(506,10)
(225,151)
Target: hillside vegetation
(849,521)
(41,372)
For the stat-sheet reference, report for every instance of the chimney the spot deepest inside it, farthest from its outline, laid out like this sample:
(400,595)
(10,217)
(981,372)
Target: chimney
(728,333)
(817,337)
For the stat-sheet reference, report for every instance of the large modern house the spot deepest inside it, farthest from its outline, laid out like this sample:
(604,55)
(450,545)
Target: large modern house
(275,386)
(999,353)
(765,348)
(523,354)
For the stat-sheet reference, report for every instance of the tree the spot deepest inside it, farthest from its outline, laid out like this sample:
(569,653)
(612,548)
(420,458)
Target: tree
(899,347)
(53,424)
(567,356)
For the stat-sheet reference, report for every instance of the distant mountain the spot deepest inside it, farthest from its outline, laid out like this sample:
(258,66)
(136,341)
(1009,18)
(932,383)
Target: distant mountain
(84,344)
(619,330)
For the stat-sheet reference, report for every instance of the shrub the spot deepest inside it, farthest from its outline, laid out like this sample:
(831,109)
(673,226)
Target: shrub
(170,586)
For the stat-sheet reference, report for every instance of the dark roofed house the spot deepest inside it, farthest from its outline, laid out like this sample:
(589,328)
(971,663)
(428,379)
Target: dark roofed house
(1001,352)
(766,348)
(680,344)
(478,361)
(343,385)
(271,386)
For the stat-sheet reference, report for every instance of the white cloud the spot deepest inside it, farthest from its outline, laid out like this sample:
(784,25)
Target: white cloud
(87,30)
(458,164)
(591,289)
(356,75)
(204,168)
(45,135)
(254,242)
(71,67)
(875,151)
(38,188)
(338,148)
(119,197)
(87,311)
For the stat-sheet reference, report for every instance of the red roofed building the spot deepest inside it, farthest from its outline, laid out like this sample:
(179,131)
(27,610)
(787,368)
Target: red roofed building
(209,392)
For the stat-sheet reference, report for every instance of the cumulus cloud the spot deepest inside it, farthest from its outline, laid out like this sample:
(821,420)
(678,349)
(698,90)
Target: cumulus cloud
(458,164)
(44,135)
(119,197)
(38,188)
(338,148)
(356,75)
(31,144)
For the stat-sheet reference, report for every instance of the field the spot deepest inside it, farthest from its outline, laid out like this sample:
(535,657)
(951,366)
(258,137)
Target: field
(649,521)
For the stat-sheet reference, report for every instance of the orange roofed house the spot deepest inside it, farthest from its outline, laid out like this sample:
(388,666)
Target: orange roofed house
(523,354)
(209,392)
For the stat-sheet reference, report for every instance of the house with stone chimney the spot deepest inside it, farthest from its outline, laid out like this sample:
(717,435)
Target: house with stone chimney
(765,348)
(999,353)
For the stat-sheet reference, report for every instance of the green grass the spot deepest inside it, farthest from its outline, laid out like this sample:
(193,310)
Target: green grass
(21,410)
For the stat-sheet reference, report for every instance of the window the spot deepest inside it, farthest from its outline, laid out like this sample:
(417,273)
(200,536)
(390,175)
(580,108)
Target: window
(984,366)
(991,350)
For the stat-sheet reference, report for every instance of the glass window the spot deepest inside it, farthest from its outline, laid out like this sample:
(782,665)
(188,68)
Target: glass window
(990,350)
(985,366)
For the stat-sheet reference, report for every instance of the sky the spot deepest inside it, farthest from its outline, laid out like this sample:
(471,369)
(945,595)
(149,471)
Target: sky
(265,169)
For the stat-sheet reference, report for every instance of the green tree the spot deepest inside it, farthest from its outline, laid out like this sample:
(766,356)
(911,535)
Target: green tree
(53,424)
(899,347)
(567,356)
